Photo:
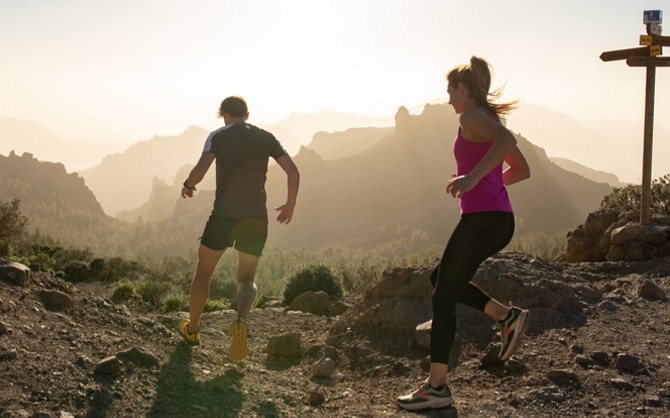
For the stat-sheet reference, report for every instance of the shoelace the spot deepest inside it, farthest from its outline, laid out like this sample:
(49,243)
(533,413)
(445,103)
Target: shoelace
(426,387)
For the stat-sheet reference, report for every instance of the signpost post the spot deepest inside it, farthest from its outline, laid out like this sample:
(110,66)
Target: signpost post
(649,56)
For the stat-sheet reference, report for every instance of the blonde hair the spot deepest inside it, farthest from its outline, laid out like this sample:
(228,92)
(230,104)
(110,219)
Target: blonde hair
(476,77)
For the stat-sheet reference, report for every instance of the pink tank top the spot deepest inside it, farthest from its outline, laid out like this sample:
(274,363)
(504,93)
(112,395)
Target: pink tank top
(490,193)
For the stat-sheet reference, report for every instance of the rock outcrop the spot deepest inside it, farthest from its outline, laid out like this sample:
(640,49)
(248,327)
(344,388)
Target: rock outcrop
(608,236)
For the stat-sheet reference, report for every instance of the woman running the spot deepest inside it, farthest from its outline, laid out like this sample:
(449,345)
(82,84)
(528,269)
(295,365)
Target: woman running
(486,225)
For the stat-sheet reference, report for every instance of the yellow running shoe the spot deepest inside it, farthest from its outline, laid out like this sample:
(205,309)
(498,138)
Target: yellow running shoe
(191,339)
(238,347)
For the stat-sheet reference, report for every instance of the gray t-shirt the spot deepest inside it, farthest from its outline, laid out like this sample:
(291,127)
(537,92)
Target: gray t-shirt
(242,151)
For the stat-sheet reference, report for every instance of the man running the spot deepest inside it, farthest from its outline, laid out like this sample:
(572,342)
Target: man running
(239,217)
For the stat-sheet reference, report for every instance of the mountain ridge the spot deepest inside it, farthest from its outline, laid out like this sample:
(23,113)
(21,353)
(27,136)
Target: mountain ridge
(391,190)
(21,135)
(57,204)
(394,190)
(600,145)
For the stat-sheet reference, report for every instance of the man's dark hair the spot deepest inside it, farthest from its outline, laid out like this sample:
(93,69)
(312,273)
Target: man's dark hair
(234,106)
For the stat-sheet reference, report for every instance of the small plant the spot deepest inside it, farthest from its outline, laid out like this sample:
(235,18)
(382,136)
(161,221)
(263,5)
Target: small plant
(153,292)
(174,303)
(41,262)
(220,289)
(123,291)
(214,305)
(313,277)
(259,302)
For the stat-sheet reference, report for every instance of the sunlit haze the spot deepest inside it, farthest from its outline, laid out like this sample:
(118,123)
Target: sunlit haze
(128,70)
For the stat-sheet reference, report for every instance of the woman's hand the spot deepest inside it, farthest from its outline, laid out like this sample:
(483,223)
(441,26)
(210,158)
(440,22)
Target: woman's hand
(460,185)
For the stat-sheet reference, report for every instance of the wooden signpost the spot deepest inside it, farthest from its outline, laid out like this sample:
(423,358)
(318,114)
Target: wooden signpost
(649,56)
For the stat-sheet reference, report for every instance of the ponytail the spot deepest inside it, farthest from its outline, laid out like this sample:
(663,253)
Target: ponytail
(476,77)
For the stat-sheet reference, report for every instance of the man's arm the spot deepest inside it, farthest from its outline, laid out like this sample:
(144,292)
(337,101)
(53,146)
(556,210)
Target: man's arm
(293,183)
(196,174)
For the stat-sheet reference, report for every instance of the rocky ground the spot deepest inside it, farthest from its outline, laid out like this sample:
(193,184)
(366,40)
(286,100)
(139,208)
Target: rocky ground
(598,346)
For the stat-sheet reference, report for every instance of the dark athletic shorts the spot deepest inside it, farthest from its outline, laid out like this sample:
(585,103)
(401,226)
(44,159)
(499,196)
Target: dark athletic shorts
(246,235)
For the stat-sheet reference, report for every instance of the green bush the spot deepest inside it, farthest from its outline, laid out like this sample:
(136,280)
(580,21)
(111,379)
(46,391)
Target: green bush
(41,262)
(624,199)
(12,225)
(76,271)
(97,268)
(153,292)
(113,269)
(174,303)
(214,305)
(313,277)
(65,256)
(123,291)
(220,289)
(260,302)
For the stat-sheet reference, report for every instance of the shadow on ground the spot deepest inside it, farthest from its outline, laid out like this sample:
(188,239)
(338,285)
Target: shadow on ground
(180,394)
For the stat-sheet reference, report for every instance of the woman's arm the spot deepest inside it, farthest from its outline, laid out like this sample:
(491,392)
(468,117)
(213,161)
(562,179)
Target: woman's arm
(517,169)
(478,126)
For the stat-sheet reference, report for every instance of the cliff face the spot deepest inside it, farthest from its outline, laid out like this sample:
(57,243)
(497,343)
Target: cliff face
(57,203)
(27,178)
(396,190)
(123,181)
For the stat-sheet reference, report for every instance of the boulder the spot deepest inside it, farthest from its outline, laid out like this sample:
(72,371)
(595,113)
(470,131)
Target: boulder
(14,273)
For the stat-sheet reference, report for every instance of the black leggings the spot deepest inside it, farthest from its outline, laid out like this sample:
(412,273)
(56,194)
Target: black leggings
(476,237)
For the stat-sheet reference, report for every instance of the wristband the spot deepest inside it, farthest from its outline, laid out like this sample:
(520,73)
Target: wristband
(186,186)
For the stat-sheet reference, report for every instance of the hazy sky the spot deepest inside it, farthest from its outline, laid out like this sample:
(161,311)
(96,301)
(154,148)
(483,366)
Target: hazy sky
(127,70)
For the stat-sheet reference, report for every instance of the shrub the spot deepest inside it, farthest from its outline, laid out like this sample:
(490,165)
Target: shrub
(624,199)
(12,225)
(123,291)
(41,262)
(214,305)
(97,267)
(220,289)
(259,303)
(116,268)
(65,256)
(174,303)
(153,292)
(76,271)
(313,277)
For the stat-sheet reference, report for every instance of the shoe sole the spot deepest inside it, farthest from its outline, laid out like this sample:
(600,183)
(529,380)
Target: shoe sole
(524,317)
(432,404)
(183,331)
(238,346)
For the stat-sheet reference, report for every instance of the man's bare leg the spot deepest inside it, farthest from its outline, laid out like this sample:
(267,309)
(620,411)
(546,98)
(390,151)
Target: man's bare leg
(246,288)
(207,260)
